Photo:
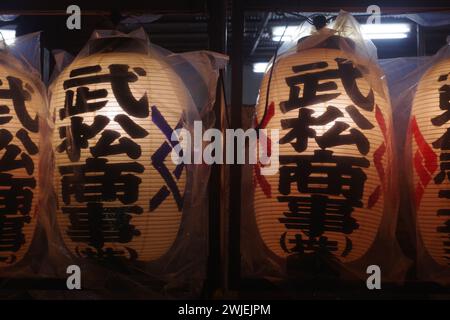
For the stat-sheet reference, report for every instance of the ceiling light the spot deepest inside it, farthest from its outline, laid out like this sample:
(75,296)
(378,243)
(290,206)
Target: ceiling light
(385,30)
(291,33)
(8,35)
(260,67)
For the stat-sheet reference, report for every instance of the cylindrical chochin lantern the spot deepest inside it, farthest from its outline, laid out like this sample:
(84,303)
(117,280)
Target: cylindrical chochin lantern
(328,195)
(20,103)
(119,193)
(430,141)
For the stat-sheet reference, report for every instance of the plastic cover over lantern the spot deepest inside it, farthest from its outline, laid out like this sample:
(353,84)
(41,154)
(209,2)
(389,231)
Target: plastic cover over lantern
(119,193)
(430,136)
(333,191)
(429,141)
(22,101)
(124,97)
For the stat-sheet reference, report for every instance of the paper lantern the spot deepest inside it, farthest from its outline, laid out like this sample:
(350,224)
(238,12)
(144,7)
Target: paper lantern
(328,194)
(430,143)
(20,102)
(119,193)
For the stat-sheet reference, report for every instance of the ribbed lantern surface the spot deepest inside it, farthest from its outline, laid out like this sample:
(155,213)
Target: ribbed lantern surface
(430,142)
(119,193)
(20,103)
(328,194)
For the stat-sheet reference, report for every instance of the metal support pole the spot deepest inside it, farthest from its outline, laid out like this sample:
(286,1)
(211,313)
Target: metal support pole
(217,31)
(420,41)
(237,52)
(264,21)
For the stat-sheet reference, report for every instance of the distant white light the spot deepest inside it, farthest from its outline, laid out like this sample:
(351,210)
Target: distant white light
(386,36)
(385,30)
(292,33)
(369,31)
(260,67)
(8,35)
(289,34)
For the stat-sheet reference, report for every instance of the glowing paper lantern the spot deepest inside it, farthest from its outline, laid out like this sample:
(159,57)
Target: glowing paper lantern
(120,194)
(329,192)
(20,102)
(430,152)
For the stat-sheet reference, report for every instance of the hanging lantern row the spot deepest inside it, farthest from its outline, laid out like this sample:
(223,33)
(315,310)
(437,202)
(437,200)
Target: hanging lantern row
(120,195)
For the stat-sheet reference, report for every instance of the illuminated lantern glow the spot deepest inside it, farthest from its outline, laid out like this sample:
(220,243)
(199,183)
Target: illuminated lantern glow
(119,193)
(328,194)
(430,142)
(20,104)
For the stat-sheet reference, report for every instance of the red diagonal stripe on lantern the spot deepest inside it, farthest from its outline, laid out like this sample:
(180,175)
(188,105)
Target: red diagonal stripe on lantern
(373,198)
(269,115)
(378,158)
(430,157)
(264,123)
(380,120)
(260,179)
(425,161)
(423,174)
(418,194)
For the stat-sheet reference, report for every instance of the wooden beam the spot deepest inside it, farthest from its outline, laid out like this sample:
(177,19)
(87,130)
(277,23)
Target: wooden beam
(89,7)
(234,223)
(387,6)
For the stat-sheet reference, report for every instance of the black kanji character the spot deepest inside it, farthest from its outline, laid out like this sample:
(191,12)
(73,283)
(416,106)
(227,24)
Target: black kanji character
(317,214)
(15,194)
(346,72)
(324,173)
(308,245)
(301,130)
(98,181)
(119,77)
(95,224)
(443,143)
(19,96)
(76,136)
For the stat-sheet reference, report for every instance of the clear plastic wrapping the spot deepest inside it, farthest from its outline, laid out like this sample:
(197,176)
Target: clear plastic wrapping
(425,95)
(87,177)
(331,209)
(122,210)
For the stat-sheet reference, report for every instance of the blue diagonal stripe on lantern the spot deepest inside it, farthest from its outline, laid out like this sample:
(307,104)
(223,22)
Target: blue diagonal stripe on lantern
(158,163)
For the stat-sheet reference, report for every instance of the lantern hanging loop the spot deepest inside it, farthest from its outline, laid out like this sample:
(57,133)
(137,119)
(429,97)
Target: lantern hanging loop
(319,22)
(270,78)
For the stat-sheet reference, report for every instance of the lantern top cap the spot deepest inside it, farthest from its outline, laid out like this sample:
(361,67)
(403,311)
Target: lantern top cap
(119,44)
(332,42)
(319,22)
(104,41)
